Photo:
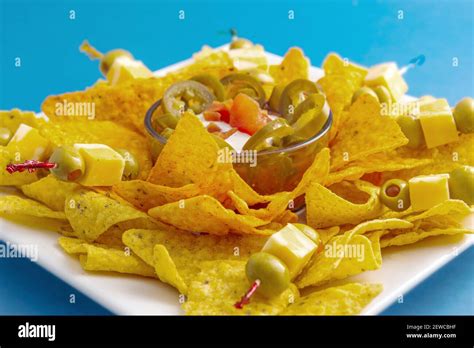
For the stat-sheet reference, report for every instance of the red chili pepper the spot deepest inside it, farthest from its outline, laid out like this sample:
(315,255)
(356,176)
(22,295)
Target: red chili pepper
(246,298)
(30,165)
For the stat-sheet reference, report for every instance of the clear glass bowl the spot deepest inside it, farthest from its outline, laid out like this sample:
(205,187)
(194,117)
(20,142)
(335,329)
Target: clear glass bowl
(275,170)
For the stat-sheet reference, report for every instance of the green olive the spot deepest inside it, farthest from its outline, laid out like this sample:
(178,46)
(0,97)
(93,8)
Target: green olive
(272,273)
(69,163)
(274,101)
(213,83)
(240,43)
(411,128)
(131,169)
(364,90)
(464,115)
(383,94)
(5,136)
(461,184)
(395,194)
(109,58)
(308,232)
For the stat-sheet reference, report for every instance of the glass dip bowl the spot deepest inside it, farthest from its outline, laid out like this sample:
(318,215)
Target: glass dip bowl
(273,170)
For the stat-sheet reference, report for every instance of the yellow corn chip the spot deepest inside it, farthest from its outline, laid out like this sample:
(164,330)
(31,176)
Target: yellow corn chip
(8,156)
(128,102)
(366,132)
(293,66)
(281,201)
(341,259)
(452,207)
(14,205)
(166,269)
(205,214)
(348,299)
(50,191)
(220,284)
(185,252)
(96,257)
(91,214)
(12,119)
(383,162)
(325,208)
(341,79)
(193,142)
(101,132)
(145,195)
(442,159)
(417,235)
(324,266)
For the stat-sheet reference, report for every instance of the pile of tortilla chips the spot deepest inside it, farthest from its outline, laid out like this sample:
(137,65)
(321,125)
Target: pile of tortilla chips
(191,222)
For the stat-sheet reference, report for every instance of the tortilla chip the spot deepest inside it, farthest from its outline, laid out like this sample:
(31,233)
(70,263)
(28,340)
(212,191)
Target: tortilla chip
(280,201)
(366,132)
(293,66)
(221,284)
(331,263)
(419,234)
(185,252)
(6,179)
(382,162)
(50,191)
(12,119)
(145,195)
(341,79)
(341,259)
(166,269)
(128,102)
(101,132)
(452,207)
(442,159)
(325,208)
(96,257)
(205,214)
(193,142)
(14,205)
(91,214)
(348,299)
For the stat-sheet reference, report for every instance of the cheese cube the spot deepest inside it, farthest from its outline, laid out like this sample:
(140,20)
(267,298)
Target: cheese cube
(29,143)
(103,165)
(249,58)
(437,123)
(426,191)
(125,69)
(291,246)
(388,75)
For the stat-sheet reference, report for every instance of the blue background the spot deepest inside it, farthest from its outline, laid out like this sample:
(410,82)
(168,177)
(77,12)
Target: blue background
(368,32)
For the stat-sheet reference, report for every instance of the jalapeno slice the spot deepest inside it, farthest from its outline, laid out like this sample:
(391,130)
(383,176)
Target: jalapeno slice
(275,129)
(221,142)
(243,83)
(314,101)
(274,101)
(164,121)
(184,95)
(293,94)
(213,83)
(310,123)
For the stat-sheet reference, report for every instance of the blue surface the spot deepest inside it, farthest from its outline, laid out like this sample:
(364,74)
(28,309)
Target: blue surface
(368,32)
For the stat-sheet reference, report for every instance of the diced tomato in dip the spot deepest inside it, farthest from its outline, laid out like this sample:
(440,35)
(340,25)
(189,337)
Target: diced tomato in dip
(246,116)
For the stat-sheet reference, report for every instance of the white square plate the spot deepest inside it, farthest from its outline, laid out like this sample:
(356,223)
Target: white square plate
(402,268)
